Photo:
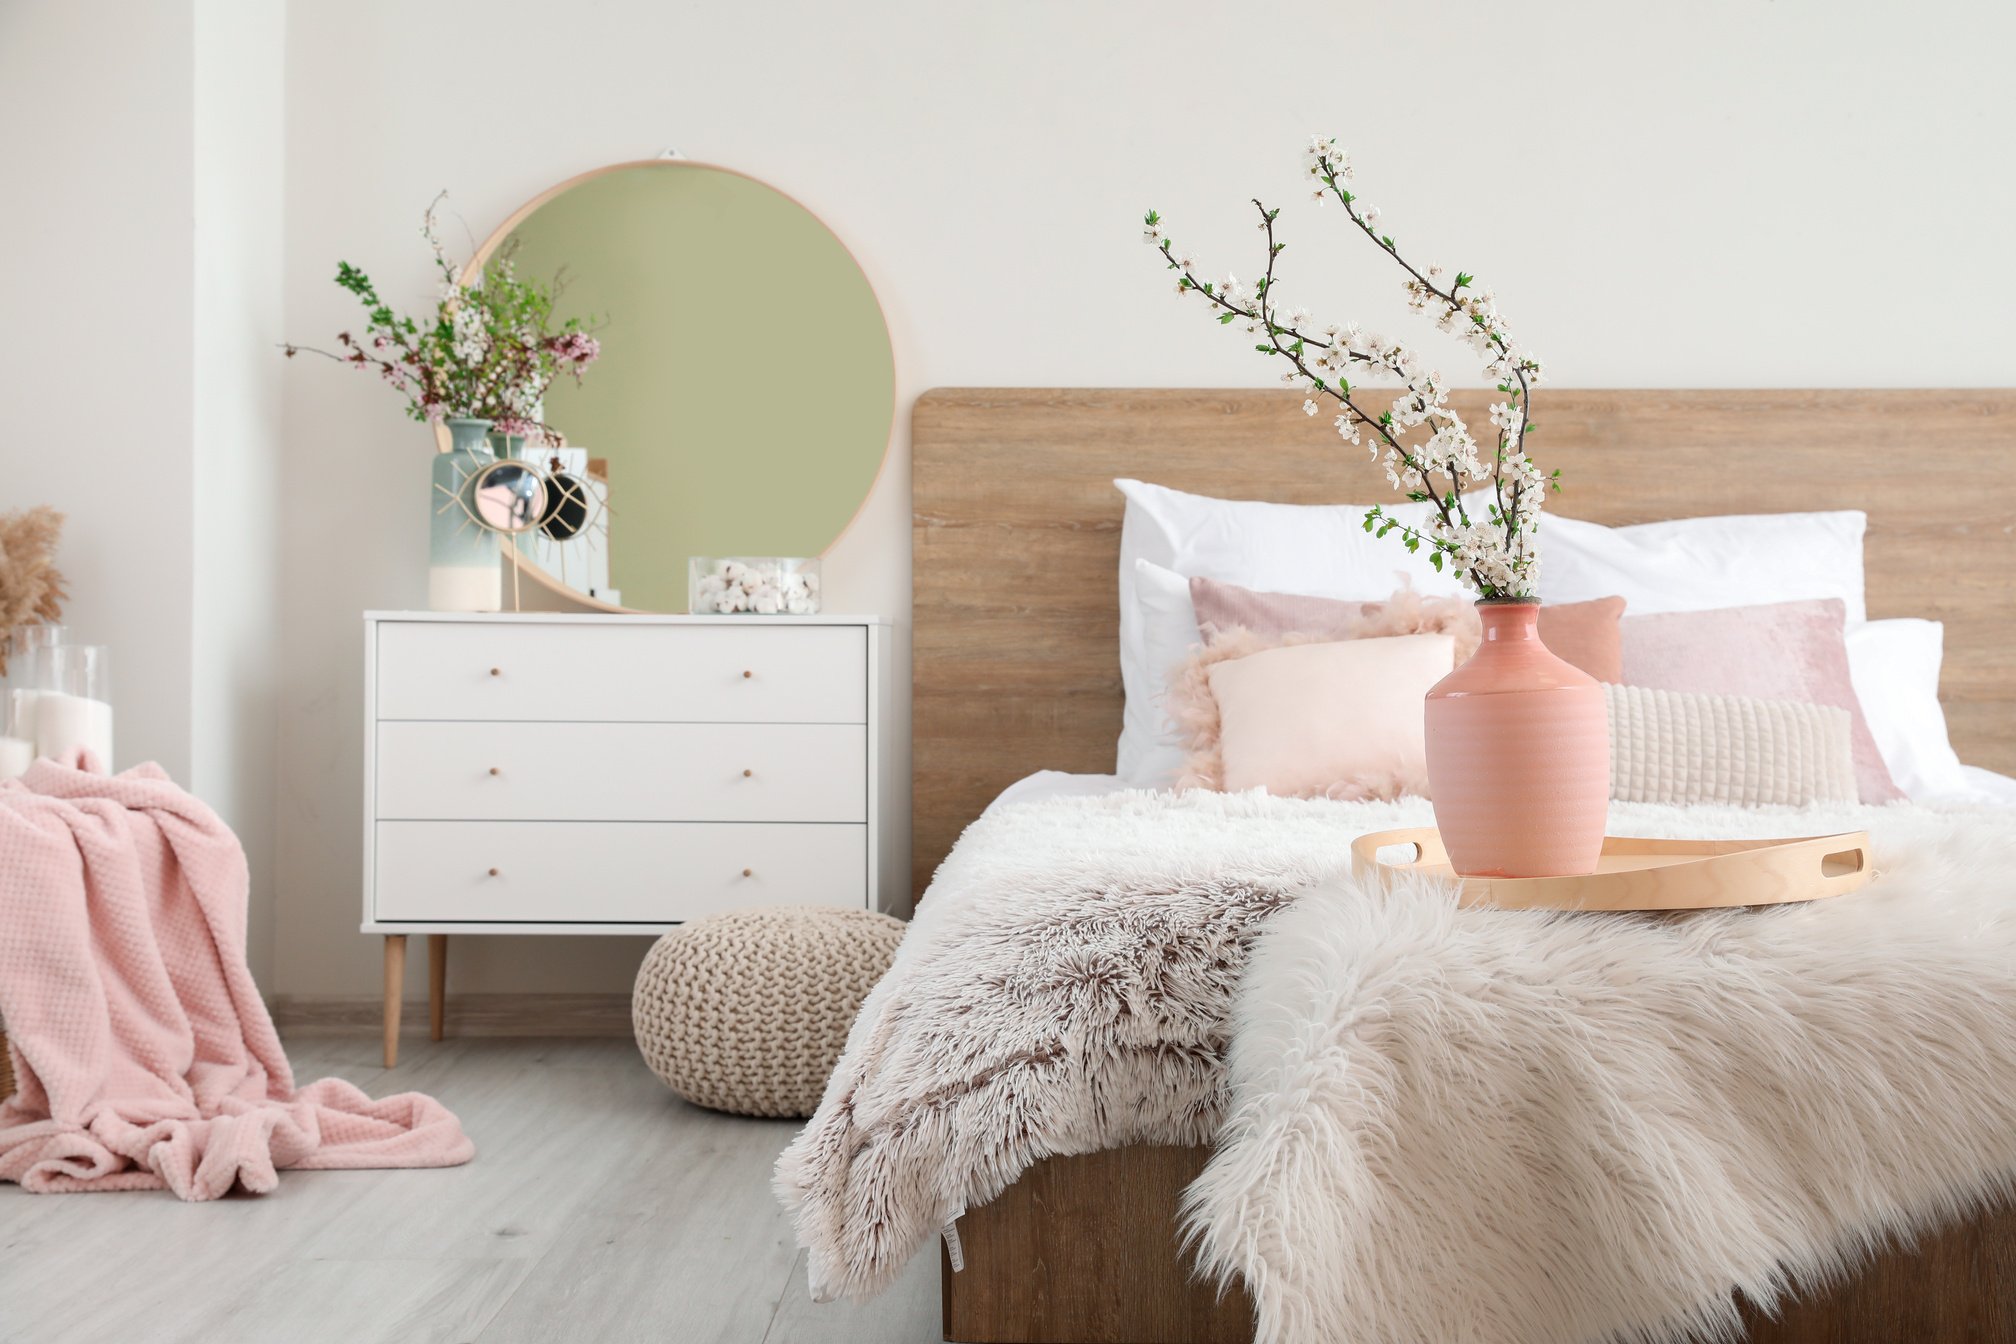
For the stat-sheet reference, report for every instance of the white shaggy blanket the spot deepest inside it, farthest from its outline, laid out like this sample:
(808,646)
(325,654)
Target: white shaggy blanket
(1485,1125)
(1447,1124)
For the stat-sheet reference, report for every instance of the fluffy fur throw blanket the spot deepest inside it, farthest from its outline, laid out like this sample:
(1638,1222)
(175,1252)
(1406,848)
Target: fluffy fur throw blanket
(1442,1123)
(1066,986)
(1436,1124)
(1537,1128)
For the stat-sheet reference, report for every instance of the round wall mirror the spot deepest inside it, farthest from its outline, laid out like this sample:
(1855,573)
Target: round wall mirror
(743,399)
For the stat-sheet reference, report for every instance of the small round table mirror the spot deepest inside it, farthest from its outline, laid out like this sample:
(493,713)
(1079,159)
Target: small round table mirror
(744,395)
(509,497)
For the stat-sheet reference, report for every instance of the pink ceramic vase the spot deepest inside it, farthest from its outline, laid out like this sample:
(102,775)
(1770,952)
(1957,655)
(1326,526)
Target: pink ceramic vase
(1519,755)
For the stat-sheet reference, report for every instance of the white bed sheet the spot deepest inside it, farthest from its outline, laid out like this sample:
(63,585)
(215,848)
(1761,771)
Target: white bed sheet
(1061,784)
(1988,787)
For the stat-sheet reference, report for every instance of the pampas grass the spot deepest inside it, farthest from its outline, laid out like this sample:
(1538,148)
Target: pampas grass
(31,587)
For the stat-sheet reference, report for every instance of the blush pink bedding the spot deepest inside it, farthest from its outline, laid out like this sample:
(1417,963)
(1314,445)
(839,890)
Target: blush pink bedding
(1776,651)
(143,1053)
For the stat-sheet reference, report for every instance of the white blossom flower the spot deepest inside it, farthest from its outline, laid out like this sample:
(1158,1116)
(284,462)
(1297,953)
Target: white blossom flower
(1420,442)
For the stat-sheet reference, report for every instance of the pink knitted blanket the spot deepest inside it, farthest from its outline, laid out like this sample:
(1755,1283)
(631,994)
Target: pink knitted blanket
(143,1053)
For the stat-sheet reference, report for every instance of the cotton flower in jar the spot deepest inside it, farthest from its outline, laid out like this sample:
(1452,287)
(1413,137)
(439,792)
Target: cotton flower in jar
(707,595)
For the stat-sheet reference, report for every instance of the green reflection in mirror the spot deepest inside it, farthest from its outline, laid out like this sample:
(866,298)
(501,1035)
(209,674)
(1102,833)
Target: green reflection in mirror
(743,400)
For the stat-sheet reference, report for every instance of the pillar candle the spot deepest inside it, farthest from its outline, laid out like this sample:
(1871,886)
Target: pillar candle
(63,722)
(16,753)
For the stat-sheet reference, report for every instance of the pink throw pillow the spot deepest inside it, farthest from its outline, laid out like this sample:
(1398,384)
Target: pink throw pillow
(1583,633)
(1780,651)
(1341,719)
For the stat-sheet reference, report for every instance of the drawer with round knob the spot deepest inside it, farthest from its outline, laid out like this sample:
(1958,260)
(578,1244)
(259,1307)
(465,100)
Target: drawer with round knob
(609,872)
(622,672)
(622,771)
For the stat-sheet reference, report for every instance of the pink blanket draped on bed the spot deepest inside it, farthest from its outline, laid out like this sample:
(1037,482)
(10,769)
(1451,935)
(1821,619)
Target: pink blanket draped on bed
(143,1053)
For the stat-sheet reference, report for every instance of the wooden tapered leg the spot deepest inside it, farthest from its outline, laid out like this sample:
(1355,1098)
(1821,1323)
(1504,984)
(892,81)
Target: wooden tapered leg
(437,984)
(395,988)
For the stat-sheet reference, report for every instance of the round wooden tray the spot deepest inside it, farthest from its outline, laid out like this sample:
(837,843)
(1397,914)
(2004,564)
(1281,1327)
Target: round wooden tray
(1640,874)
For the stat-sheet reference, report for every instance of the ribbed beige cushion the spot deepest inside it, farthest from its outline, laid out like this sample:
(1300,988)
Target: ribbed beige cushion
(1681,747)
(747,1011)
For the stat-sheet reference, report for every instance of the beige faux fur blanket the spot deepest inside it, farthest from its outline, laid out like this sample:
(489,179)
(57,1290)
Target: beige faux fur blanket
(1436,1124)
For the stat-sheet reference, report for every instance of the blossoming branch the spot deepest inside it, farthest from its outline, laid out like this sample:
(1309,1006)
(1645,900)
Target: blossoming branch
(489,353)
(1427,450)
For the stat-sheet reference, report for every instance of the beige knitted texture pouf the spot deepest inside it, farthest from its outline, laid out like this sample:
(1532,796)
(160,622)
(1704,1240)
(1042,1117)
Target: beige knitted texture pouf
(747,1011)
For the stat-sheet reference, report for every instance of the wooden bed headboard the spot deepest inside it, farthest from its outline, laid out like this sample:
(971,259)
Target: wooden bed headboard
(1016,529)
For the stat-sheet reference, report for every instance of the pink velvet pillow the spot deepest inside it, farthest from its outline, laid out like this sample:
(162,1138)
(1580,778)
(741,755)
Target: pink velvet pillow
(1340,719)
(1583,633)
(1780,651)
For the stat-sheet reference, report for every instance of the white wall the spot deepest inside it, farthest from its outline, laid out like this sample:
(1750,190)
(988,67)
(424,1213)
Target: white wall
(240,53)
(1734,193)
(142,230)
(96,226)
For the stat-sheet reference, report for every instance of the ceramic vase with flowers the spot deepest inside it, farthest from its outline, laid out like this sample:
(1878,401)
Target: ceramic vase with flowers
(1518,741)
(480,367)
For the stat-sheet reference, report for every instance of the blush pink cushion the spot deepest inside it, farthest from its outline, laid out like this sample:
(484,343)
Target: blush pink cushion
(1781,651)
(1339,719)
(1582,633)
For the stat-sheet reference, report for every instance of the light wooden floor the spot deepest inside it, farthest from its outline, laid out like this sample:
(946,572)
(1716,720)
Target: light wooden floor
(599,1209)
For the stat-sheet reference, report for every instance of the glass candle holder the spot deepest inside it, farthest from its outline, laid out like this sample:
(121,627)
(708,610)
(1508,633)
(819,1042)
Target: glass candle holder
(17,711)
(752,585)
(71,701)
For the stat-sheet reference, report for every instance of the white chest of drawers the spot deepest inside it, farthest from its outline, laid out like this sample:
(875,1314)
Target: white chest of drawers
(546,773)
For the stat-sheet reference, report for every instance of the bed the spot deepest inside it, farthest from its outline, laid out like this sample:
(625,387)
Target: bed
(1016,536)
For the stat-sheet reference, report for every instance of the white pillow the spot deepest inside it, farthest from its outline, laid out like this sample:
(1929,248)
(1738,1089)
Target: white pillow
(1705,564)
(1321,550)
(1894,667)
(1167,622)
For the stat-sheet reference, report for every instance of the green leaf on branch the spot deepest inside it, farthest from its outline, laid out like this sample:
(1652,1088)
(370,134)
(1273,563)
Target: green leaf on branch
(1223,318)
(1463,278)
(1436,560)
(1151,219)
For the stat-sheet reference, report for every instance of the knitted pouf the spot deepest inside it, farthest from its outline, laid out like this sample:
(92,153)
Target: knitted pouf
(747,1011)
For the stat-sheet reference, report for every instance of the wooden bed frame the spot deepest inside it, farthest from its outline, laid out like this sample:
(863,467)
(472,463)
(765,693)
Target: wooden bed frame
(1016,550)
